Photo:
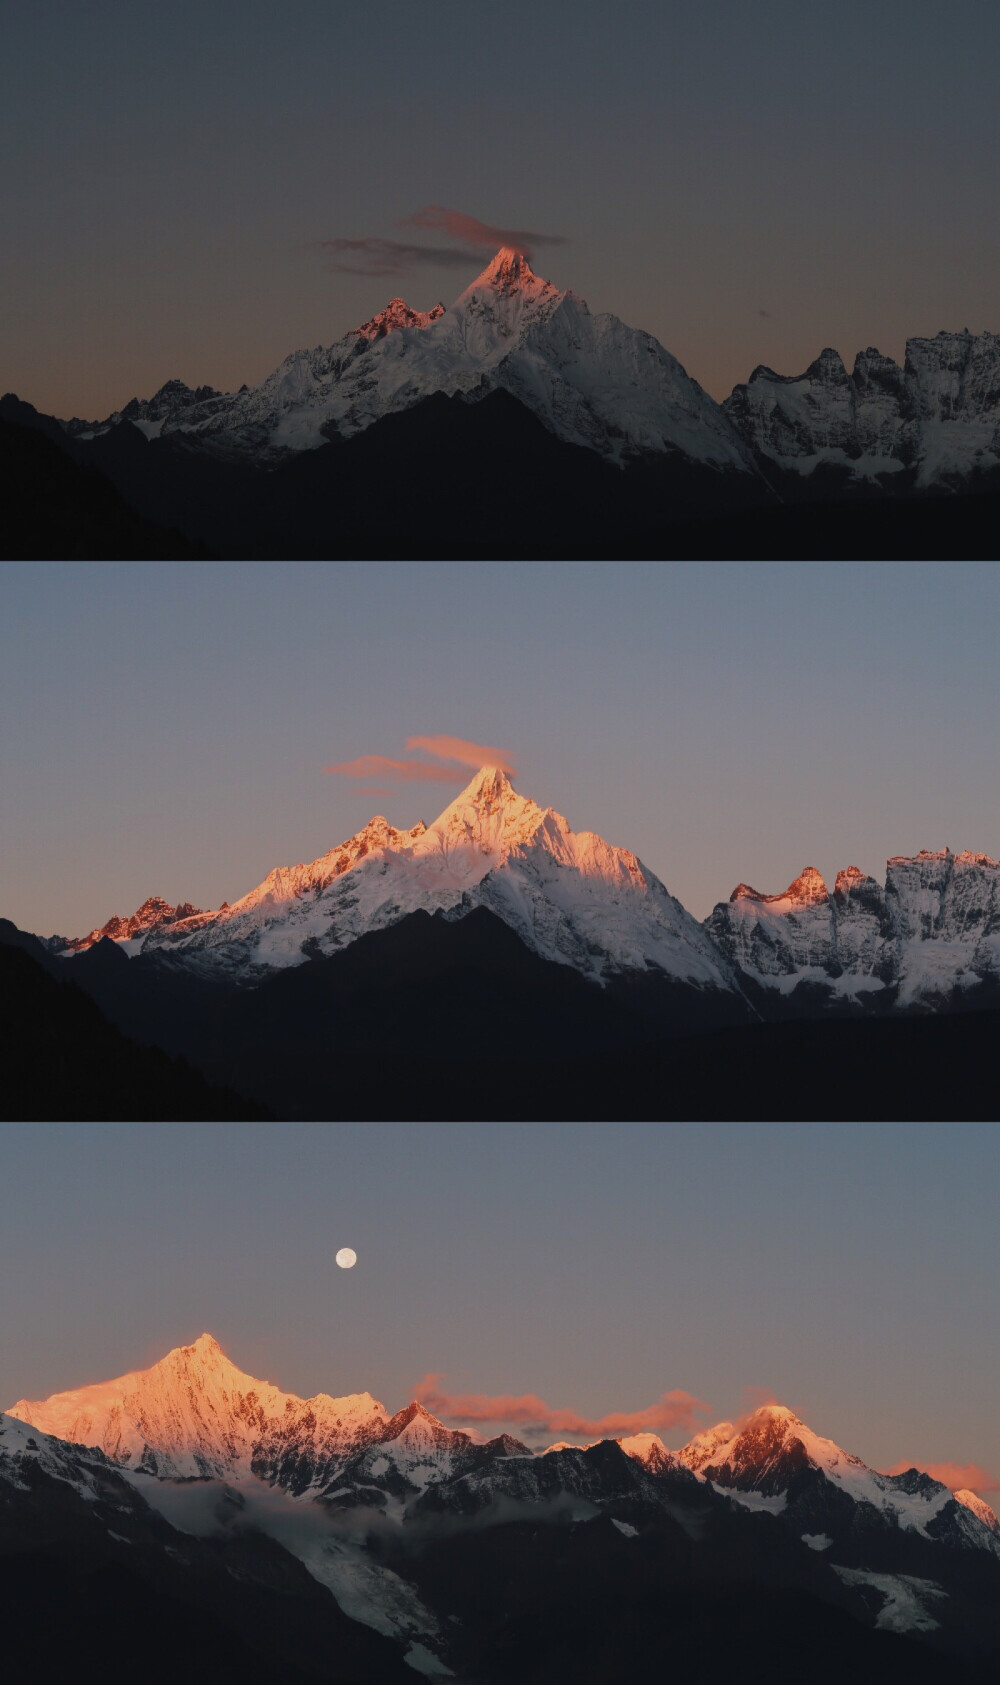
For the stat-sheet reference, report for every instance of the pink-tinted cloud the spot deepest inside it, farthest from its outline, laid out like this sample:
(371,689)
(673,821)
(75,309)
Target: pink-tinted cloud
(460,749)
(972,1477)
(671,1410)
(371,256)
(484,236)
(401,772)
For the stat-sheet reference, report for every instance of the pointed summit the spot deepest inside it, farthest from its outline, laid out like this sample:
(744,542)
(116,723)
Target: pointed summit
(205,1343)
(491,784)
(489,814)
(508,290)
(509,269)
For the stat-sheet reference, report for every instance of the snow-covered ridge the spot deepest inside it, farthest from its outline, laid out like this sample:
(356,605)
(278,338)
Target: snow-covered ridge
(154,911)
(759,1460)
(195,1413)
(79,1465)
(937,418)
(983,1511)
(931,933)
(590,379)
(570,896)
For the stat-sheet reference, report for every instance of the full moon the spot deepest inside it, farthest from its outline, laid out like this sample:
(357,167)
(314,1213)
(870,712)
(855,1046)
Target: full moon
(347,1258)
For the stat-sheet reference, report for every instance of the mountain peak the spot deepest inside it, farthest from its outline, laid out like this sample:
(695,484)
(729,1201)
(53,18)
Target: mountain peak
(510,268)
(983,1511)
(206,1345)
(395,315)
(510,276)
(808,888)
(490,813)
(153,912)
(491,783)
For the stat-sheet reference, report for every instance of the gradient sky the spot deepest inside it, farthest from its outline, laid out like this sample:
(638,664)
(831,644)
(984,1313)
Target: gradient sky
(849,1272)
(164,728)
(749,183)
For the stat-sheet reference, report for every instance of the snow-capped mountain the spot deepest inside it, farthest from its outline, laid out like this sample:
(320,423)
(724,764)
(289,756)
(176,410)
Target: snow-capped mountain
(570,896)
(358,1498)
(195,1414)
(128,932)
(774,1460)
(96,1557)
(928,938)
(590,379)
(932,423)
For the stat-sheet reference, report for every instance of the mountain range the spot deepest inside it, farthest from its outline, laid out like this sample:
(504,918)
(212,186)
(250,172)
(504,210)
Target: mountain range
(414,1528)
(516,410)
(501,922)
(928,939)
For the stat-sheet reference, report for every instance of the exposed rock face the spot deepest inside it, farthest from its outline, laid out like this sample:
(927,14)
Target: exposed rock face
(927,938)
(933,423)
(153,912)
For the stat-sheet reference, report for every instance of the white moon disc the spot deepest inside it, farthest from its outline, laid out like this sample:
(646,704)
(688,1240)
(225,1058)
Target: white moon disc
(347,1258)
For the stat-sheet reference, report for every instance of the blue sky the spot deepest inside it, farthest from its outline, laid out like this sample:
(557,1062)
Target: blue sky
(847,1271)
(164,728)
(748,183)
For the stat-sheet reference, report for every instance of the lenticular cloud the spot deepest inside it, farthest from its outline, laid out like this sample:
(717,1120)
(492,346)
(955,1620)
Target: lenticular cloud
(452,757)
(461,750)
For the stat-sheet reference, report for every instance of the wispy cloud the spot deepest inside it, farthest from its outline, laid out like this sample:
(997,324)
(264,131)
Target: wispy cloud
(972,1477)
(484,236)
(525,1410)
(452,758)
(460,749)
(370,254)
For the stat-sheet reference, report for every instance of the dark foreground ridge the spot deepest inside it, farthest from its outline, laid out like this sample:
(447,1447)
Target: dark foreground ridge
(63,1059)
(444,479)
(60,508)
(576,1568)
(434,1019)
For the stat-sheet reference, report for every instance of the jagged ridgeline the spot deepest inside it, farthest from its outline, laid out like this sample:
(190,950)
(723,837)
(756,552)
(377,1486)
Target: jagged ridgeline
(518,411)
(474,1558)
(605,995)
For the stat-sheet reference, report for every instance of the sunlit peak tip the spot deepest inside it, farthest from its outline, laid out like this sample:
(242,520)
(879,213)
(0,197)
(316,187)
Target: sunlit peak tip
(777,1412)
(508,269)
(491,780)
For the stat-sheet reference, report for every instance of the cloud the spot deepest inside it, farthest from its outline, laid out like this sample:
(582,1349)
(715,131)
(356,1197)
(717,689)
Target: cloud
(371,255)
(478,235)
(453,757)
(671,1410)
(401,772)
(960,1477)
(460,749)
(388,257)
